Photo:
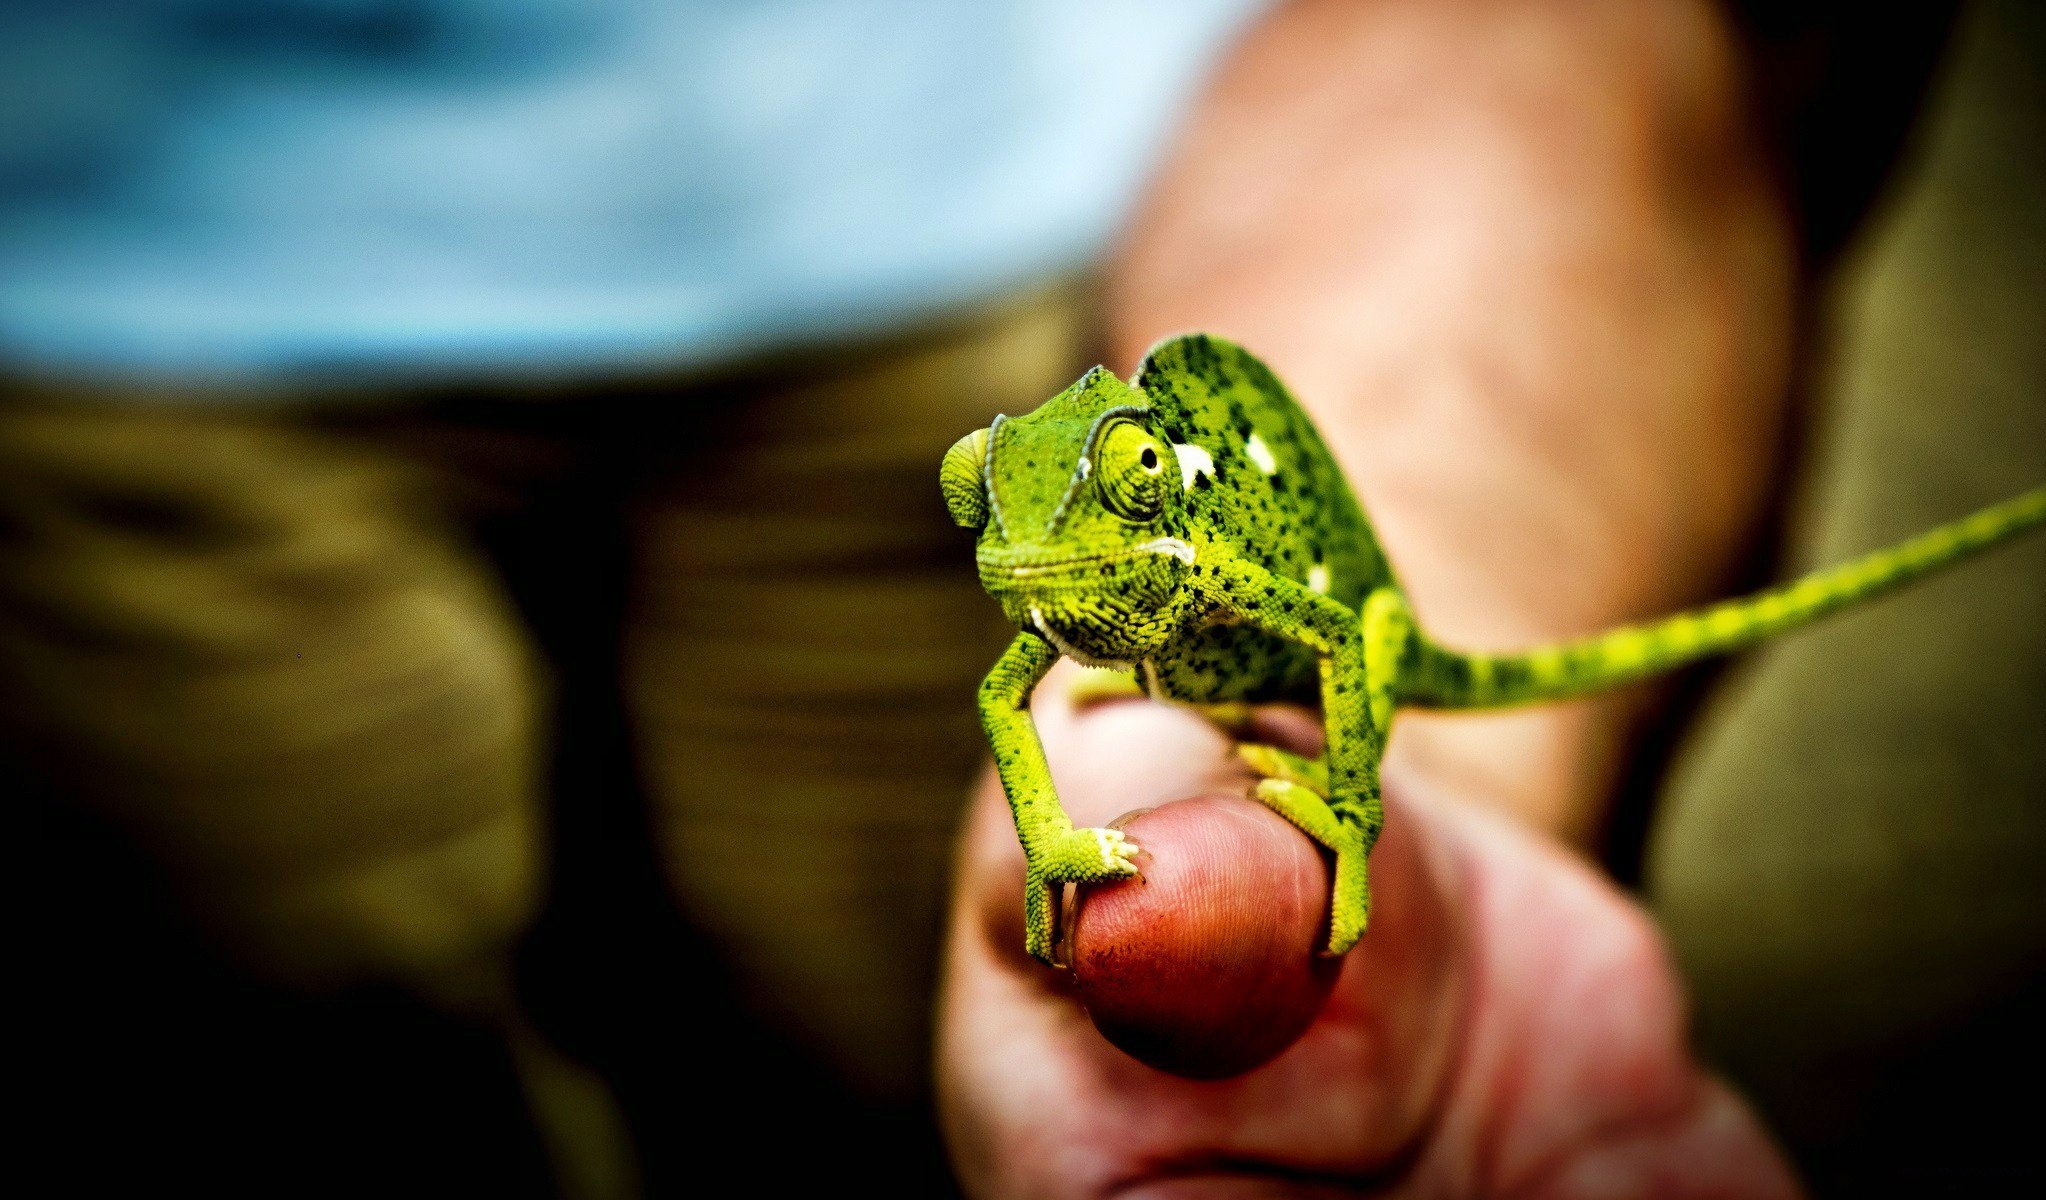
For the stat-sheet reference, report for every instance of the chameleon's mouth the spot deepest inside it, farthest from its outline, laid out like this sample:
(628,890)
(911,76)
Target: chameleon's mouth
(1013,567)
(1094,607)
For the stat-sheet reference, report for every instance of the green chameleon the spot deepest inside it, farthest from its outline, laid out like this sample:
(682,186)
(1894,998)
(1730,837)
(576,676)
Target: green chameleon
(1191,529)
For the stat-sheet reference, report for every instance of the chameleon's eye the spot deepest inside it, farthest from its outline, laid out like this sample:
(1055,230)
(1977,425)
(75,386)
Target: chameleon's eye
(1135,471)
(960,479)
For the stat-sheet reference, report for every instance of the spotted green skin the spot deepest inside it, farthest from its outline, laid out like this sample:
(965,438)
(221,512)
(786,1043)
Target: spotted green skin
(1191,528)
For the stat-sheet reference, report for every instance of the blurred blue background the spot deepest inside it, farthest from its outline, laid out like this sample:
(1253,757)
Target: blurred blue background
(253,188)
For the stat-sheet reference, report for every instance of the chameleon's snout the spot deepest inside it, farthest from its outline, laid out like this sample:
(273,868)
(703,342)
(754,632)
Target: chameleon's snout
(1148,570)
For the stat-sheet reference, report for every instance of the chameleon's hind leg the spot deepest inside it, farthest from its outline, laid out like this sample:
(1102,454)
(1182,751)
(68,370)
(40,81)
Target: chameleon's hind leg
(1358,698)
(1388,630)
(1296,787)
(1349,842)
(1388,637)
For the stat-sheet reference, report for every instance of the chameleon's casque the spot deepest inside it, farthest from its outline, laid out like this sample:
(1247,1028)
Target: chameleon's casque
(1191,528)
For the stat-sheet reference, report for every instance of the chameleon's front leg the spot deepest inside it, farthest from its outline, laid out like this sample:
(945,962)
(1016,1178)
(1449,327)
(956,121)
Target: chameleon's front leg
(1054,853)
(1347,823)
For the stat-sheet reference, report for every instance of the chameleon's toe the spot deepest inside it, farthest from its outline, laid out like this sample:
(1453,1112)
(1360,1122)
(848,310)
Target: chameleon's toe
(1350,898)
(1304,810)
(1270,762)
(1040,919)
(1092,856)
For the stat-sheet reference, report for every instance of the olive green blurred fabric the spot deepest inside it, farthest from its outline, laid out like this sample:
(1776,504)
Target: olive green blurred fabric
(1851,857)
(653,696)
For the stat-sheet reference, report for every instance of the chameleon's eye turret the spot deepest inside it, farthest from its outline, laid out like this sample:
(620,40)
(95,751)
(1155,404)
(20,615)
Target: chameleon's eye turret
(960,478)
(1136,470)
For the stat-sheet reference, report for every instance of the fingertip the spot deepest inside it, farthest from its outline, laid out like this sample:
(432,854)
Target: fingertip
(1207,965)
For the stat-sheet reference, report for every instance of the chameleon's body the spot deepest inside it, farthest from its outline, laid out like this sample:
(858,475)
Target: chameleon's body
(1191,528)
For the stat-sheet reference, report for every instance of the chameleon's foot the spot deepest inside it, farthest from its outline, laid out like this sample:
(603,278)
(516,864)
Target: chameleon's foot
(1270,762)
(1350,897)
(1100,685)
(1076,856)
(1232,719)
(1089,856)
(1305,809)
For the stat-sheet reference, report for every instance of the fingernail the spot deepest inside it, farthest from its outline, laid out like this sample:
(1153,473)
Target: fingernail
(1069,916)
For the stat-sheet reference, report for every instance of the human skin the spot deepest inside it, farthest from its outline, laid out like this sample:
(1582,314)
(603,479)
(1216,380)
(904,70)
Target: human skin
(1527,267)
(1510,1026)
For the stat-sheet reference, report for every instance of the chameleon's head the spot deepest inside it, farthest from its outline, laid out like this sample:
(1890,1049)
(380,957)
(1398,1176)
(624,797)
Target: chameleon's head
(1081,512)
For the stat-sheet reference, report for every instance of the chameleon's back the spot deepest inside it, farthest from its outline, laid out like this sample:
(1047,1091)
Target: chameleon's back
(1261,482)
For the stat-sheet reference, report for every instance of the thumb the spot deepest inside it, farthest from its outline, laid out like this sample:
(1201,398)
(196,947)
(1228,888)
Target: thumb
(1211,965)
(1208,964)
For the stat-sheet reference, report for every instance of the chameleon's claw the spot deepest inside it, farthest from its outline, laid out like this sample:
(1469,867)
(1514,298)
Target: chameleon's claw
(1118,853)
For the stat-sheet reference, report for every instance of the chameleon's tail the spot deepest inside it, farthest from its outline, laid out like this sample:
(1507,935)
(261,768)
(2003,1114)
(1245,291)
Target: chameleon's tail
(1438,677)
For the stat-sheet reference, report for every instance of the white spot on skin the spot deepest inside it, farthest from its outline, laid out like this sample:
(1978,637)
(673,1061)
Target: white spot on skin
(1192,461)
(1261,454)
(1317,578)
(1168,545)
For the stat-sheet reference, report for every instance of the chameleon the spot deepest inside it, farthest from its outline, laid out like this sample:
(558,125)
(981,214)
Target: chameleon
(1190,530)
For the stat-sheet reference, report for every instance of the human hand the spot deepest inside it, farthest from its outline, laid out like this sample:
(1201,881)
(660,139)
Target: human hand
(1510,1024)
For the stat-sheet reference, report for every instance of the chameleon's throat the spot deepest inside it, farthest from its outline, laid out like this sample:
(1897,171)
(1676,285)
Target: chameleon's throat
(1068,649)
